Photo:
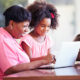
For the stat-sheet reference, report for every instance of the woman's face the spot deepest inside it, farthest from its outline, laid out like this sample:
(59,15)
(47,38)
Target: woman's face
(19,29)
(43,26)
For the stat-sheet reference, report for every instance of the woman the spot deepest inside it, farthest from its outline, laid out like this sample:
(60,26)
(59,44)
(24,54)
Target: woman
(12,57)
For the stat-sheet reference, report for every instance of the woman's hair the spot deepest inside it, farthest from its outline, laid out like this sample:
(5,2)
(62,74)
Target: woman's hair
(41,10)
(17,14)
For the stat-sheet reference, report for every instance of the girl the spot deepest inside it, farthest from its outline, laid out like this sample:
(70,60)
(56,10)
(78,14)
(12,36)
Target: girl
(37,44)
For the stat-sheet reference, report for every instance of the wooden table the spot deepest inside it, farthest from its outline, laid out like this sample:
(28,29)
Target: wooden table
(68,73)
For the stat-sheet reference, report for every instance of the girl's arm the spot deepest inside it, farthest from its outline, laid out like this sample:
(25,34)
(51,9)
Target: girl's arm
(53,56)
(27,49)
(29,52)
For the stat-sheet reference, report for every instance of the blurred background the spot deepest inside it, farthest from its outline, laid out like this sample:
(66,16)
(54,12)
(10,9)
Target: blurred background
(69,25)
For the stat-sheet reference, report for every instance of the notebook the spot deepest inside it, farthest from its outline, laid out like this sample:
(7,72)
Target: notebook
(66,56)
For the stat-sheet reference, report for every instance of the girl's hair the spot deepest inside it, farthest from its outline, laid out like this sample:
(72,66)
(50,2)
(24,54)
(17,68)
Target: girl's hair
(41,10)
(17,14)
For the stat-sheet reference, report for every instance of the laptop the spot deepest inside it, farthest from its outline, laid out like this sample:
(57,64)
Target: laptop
(66,56)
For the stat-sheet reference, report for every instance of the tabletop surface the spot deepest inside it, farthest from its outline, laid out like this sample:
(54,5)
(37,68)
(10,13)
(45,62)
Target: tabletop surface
(67,73)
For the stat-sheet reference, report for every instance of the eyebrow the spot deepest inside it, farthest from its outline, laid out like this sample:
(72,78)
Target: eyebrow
(44,24)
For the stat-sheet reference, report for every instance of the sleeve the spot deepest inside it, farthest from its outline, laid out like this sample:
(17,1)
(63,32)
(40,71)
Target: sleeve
(49,42)
(27,39)
(7,57)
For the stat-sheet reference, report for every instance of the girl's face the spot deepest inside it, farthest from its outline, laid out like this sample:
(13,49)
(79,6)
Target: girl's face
(18,29)
(43,26)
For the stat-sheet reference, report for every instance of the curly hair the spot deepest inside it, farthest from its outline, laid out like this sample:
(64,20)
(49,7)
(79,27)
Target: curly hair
(41,10)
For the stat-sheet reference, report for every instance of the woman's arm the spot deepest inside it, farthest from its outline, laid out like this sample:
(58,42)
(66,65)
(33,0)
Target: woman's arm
(29,66)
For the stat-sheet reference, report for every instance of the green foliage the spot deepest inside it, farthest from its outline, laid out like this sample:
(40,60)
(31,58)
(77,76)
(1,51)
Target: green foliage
(4,4)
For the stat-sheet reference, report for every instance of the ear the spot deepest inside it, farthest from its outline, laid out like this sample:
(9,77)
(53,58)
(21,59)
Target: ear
(11,23)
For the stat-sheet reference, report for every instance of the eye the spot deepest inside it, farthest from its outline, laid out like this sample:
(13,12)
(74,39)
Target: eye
(25,26)
(42,25)
(48,26)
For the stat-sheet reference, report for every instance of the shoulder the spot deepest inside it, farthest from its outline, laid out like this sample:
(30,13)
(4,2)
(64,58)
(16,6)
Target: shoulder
(49,41)
(2,35)
(47,38)
(27,39)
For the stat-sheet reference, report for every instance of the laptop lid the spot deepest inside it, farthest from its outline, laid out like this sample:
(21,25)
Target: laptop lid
(66,56)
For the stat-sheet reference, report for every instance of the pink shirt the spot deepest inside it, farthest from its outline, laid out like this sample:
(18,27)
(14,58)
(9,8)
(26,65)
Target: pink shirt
(38,49)
(10,52)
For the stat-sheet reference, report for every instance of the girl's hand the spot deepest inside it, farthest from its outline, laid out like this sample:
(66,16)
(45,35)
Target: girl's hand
(54,59)
(50,59)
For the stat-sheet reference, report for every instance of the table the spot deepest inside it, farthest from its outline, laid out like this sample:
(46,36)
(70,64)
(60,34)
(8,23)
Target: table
(68,73)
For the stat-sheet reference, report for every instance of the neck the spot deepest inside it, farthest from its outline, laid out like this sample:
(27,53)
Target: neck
(37,37)
(10,31)
(35,34)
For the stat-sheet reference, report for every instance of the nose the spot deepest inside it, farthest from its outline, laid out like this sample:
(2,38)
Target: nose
(46,29)
(26,29)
